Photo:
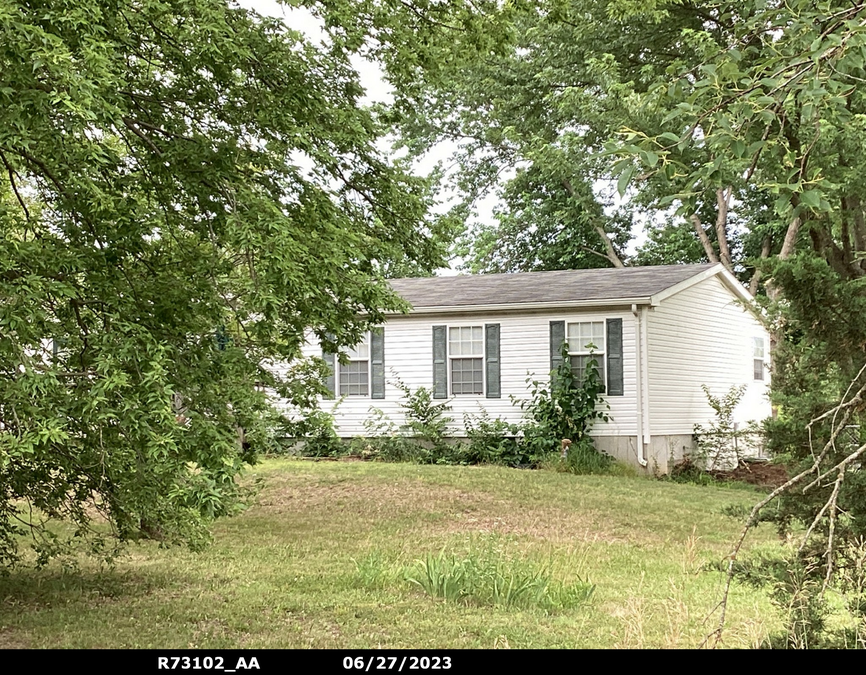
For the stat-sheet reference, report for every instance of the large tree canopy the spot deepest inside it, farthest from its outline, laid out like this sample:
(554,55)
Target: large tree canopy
(727,118)
(531,120)
(185,188)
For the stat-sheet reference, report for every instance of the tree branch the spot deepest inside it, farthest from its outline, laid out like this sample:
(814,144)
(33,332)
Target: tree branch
(757,274)
(610,251)
(846,406)
(138,132)
(15,187)
(722,199)
(705,240)
(608,247)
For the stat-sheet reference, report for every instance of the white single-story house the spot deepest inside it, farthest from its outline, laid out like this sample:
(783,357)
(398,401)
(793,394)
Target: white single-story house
(659,334)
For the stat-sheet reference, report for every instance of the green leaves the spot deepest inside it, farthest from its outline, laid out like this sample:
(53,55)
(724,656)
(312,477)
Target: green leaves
(811,198)
(567,409)
(168,171)
(624,179)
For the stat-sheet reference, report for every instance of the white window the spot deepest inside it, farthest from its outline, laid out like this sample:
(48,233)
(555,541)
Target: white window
(466,359)
(585,343)
(354,377)
(758,357)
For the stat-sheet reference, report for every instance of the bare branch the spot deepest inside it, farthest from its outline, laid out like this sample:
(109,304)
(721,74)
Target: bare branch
(15,187)
(723,198)
(705,240)
(610,252)
(594,252)
(846,407)
(757,274)
(832,530)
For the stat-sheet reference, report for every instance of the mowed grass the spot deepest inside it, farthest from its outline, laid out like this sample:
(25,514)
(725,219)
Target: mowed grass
(320,561)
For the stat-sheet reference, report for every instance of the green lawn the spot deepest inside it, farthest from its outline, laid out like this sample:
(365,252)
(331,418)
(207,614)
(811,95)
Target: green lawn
(319,562)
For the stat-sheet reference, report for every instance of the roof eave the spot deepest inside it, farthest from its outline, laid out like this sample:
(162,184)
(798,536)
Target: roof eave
(528,306)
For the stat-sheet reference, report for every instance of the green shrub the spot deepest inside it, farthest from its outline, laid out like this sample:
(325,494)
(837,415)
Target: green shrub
(426,422)
(566,408)
(423,437)
(383,440)
(721,444)
(587,461)
(493,441)
(322,439)
(311,435)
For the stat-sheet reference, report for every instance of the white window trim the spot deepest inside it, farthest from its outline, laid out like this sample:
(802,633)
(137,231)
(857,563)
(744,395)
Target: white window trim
(600,350)
(762,358)
(482,356)
(337,366)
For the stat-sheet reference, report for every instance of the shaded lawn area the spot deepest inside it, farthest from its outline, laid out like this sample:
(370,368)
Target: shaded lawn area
(319,562)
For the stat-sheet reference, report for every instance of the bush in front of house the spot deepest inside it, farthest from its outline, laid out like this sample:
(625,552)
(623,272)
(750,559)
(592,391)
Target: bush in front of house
(564,409)
(382,440)
(494,441)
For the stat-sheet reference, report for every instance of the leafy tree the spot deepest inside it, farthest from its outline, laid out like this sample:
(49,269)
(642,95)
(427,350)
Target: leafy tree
(737,129)
(771,121)
(187,187)
(530,121)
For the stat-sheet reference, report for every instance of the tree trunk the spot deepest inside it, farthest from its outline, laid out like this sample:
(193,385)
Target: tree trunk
(608,247)
(722,198)
(790,239)
(858,238)
(787,249)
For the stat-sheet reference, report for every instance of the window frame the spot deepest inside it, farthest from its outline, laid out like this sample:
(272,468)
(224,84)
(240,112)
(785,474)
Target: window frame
(756,359)
(600,353)
(449,357)
(368,340)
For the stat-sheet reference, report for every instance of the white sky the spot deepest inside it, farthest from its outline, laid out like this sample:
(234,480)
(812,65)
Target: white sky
(378,90)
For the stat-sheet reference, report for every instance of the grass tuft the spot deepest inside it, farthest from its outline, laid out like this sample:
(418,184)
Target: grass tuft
(489,578)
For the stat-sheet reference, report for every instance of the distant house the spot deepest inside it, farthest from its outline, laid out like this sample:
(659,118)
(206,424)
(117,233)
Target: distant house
(659,332)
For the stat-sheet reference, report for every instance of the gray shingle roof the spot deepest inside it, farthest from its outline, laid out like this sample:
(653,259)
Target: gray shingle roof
(566,286)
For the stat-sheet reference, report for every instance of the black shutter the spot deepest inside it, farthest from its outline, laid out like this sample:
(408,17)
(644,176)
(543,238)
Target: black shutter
(557,337)
(440,362)
(614,357)
(491,356)
(377,363)
(329,378)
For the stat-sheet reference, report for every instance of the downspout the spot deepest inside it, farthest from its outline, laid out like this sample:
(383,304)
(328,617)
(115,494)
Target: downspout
(644,364)
(639,390)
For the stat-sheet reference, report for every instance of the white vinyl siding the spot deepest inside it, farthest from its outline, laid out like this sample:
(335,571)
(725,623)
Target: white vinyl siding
(524,350)
(702,335)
